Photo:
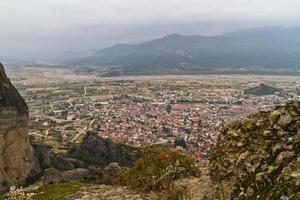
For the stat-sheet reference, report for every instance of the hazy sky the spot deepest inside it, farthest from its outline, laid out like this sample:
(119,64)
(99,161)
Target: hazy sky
(51,27)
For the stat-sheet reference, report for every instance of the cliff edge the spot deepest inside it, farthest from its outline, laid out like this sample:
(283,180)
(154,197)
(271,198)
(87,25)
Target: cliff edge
(17,161)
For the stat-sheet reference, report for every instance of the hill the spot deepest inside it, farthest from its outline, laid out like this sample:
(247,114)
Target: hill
(262,49)
(261,90)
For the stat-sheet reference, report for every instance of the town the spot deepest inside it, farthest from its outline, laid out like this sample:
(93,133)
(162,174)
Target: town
(145,112)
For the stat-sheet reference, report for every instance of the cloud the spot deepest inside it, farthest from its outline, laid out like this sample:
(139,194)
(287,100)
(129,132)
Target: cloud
(36,24)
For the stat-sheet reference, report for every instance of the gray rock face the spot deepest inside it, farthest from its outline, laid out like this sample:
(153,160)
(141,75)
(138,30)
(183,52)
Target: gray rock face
(96,150)
(17,161)
(47,159)
(110,172)
(42,153)
(76,174)
(60,163)
(10,98)
(52,176)
(259,157)
(77,163)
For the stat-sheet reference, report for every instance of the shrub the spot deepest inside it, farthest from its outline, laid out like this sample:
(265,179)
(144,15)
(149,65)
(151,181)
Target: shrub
(19,194)
(175,193)
(156,170)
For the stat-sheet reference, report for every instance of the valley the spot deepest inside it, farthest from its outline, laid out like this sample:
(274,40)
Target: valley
(142,110)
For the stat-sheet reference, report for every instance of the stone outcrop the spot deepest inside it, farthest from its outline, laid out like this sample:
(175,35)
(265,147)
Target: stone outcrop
(48,159)
(180,142)
(258,157)
(17,161)
(110,172)
(261,90)
(76,174)
(60,163)
(52,176)
(100,151)
(42,153)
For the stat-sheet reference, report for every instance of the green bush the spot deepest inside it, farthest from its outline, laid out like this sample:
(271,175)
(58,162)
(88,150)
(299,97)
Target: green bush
(156,170)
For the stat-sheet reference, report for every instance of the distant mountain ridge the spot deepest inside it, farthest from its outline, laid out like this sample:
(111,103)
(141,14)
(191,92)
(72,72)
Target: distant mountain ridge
(266,48)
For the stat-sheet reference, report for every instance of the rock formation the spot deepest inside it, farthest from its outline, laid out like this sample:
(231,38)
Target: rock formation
(52,176)
(180,142)
(258,157)
(100,151)
(76,174)
(60,163)
(261,90)
(110,172)
(17,161)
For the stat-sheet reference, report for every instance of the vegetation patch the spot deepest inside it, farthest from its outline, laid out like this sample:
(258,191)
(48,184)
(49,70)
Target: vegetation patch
(156,170)
(58,191)
(176,193)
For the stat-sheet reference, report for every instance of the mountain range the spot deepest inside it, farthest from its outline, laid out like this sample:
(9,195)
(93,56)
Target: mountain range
(260,49)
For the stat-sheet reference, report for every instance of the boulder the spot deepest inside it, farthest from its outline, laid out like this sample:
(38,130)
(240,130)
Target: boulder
(110,172)
(52,176)
(76,174)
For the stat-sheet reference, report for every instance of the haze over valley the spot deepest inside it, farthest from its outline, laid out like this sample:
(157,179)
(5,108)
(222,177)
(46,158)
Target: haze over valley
(150,100)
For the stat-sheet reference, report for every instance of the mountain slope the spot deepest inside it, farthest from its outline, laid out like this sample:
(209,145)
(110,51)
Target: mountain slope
(263,48)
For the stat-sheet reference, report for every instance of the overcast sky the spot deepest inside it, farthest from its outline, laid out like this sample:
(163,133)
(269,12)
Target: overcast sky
(32,28)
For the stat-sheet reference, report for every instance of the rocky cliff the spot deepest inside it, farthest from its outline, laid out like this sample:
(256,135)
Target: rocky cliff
(16,154)
(259,157)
